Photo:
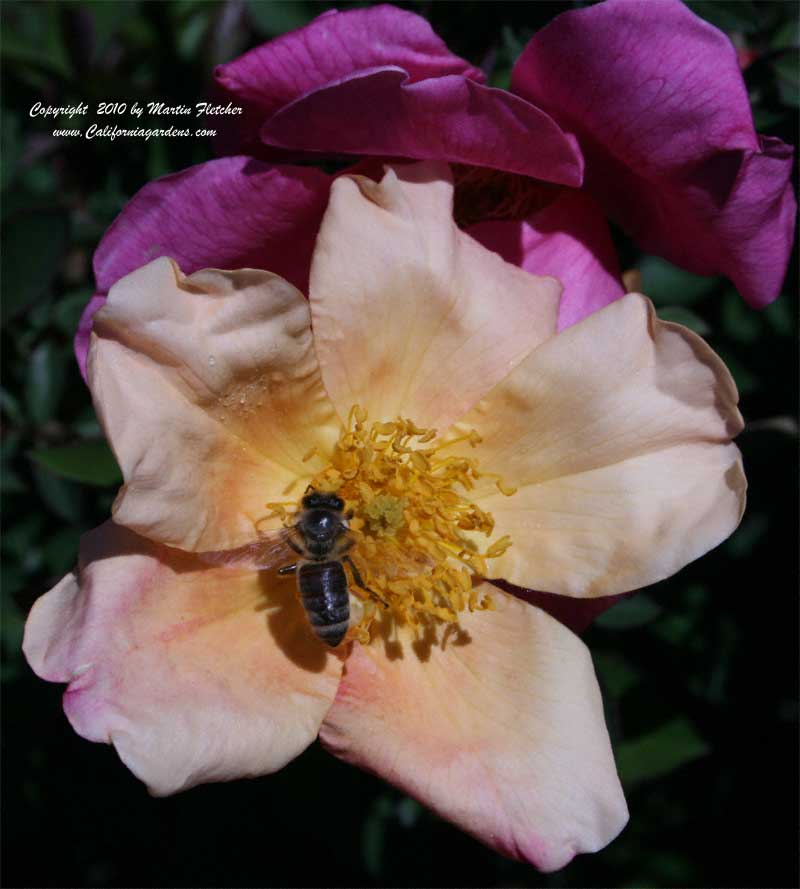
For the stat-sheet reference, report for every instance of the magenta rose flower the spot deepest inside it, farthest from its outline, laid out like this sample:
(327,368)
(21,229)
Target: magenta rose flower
(653,94)
(631,108)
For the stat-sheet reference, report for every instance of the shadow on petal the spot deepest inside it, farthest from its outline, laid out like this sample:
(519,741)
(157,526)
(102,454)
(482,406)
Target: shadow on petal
(287,622)
(398,637)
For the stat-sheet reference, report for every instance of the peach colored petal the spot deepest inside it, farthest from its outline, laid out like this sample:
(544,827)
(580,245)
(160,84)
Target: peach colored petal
(209,391)
(620,527)
(617,434)
(195,674)
(411,316)
(500,731)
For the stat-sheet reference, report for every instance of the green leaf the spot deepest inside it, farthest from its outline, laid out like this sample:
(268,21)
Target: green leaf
(660,752)
(62,497)
(90,462)
(766,118)
(616,672)
(12,146)
(746,381)
(732,15)
(373,836)
(273,19)
(11,482)
(32,38)
(158,163)
(60,551)
(747,536)
(182,10)
(85,424)
(22,536)
(665,869)
(679,625)
(191,33)
(67,311)
(40,180)
(726,642)
(675,628)
(12,625)
(630,613)
(108,19)
(783,424)
(9,405)
(686,317)
(739,321)
(786,69)
(45,382)
(781,317)
(787,35)
(667,285)
(33,245)
(408,811)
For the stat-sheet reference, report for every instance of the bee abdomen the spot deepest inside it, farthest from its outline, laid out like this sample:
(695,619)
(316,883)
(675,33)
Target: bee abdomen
(325,597)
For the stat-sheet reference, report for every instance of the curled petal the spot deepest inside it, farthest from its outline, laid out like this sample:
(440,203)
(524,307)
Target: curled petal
(333,46)
(411,315)
(616,433)
(569,240)
(499,730)
(209,392)
(84,332)
(655,96)
(229,213)
(381,112)
(194,674)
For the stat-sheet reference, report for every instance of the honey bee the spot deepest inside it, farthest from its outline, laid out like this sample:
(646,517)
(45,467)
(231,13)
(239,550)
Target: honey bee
(321,538)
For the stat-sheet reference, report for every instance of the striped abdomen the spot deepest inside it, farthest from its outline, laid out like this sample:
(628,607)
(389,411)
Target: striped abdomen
(324,594)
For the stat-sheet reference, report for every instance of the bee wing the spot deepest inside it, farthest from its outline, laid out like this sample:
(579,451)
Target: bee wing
(271,549)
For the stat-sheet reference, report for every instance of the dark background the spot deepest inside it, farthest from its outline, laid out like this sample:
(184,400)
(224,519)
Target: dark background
(699,673)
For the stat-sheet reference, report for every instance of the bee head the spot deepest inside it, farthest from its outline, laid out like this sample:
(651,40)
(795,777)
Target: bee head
(322,500)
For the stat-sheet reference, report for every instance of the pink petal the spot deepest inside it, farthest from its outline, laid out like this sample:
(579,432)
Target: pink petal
(85,330)
(195,674)
(569,239)
(499,730)
(655,96)
(383,112)
(228,213)
(333,46)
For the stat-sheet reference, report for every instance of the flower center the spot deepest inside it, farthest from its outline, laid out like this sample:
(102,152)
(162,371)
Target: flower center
(384,514)
(416,533)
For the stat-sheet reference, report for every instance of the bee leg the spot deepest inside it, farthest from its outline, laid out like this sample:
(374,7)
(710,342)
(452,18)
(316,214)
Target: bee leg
(360,581)
(344,545)
(288,569)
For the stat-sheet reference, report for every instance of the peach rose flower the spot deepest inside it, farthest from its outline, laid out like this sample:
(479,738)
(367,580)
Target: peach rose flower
(423,381)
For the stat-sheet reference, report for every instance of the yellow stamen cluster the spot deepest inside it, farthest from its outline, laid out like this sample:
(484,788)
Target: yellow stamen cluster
(410,519)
